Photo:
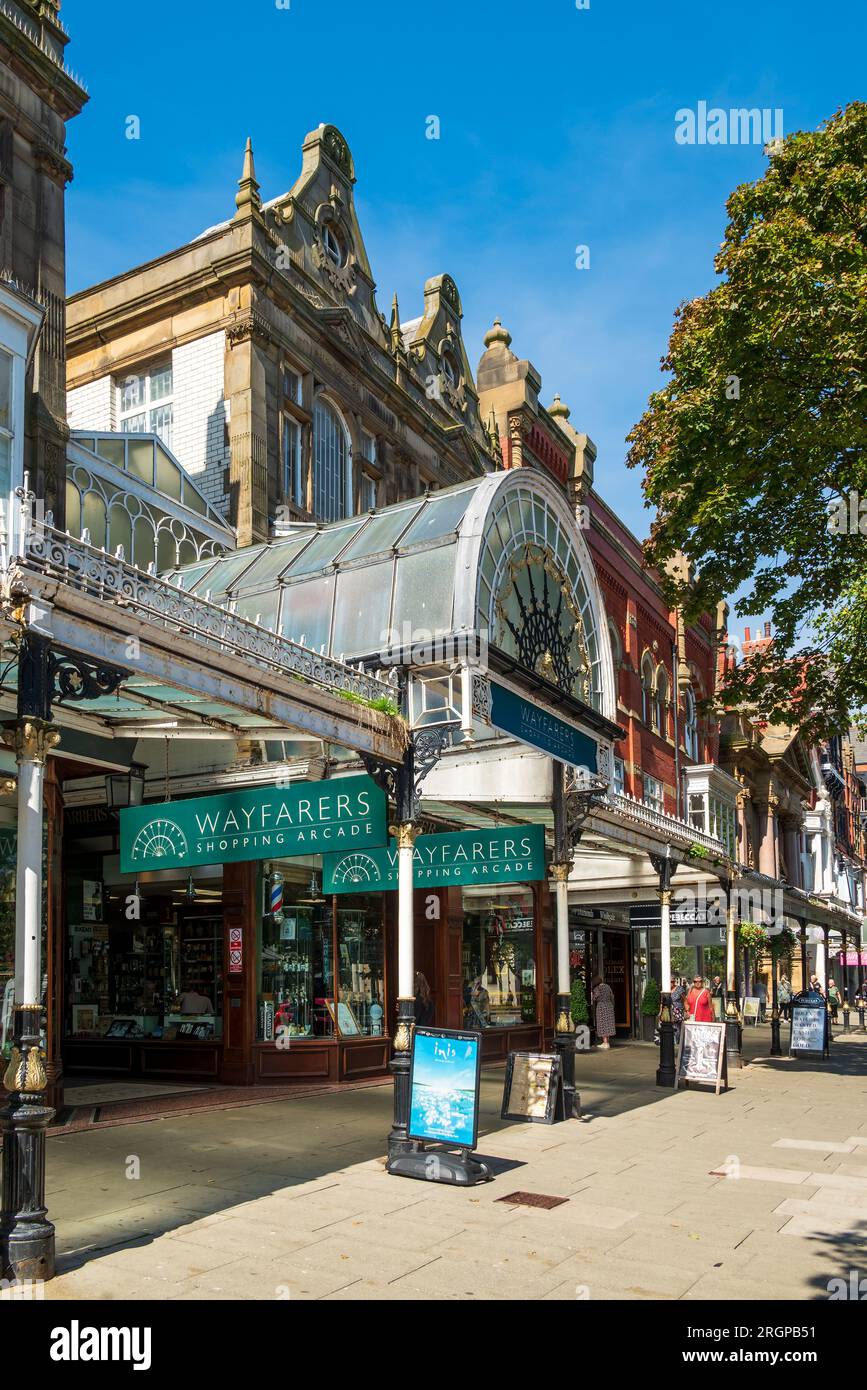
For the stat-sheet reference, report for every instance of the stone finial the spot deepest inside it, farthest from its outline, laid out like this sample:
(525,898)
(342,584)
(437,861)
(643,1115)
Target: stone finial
(558,410)
(247,198)
(497,334)
(492,430)
(394,327)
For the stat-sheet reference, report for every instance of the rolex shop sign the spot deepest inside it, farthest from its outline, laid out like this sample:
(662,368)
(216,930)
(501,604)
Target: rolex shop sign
(256,823)
(502,855)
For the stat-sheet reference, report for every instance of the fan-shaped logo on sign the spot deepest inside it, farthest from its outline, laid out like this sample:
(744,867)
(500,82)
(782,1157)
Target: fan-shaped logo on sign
(159,839)
(357,868)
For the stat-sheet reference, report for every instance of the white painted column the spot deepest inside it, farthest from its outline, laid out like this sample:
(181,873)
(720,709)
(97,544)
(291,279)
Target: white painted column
(822,962)
(405,925)
(32,741)
(731,946)
(665,938)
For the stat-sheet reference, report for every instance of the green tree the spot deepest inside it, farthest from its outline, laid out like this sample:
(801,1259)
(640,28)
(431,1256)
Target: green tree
(754,449)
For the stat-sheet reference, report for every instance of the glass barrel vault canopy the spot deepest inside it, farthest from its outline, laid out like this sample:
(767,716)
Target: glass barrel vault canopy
(501,556)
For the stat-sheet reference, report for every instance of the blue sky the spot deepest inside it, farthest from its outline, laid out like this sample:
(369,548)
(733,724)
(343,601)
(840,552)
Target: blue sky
(557,130)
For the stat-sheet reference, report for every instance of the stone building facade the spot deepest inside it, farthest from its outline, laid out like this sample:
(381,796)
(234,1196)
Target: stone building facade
(38,95)
(259,354)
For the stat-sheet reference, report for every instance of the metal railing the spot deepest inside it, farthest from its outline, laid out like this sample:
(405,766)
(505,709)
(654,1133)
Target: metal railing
(110,579)
(662,822)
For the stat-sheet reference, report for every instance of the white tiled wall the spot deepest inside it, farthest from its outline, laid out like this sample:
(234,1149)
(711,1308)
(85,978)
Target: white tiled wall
(92,407)
(199,428)
(199,413)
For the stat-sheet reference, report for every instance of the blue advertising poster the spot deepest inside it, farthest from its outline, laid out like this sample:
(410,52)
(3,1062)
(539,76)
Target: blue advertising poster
(444,1086)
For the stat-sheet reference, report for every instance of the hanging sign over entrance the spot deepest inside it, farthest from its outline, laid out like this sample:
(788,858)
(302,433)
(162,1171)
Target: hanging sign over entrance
(513,854)
(256,823)
(513,714)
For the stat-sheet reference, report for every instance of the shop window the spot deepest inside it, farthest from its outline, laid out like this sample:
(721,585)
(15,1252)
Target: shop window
(498,960)
(360,966)
(159,975)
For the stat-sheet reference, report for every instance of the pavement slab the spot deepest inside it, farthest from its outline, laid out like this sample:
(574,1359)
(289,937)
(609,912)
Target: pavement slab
(290,1200)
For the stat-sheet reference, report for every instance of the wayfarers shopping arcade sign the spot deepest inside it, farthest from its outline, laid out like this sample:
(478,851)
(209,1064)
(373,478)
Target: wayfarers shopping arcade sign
(256,823)
(513,854)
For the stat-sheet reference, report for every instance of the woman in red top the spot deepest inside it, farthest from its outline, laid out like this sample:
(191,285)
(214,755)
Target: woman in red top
(698,1003)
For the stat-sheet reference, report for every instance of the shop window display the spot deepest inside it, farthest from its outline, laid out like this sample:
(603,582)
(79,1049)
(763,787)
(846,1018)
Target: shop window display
(498,958)
(322,959)
(155,975)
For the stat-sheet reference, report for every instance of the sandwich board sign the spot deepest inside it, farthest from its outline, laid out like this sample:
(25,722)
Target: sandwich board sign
(810,1025)
(701,1056)
(750,1006)
(532,1089)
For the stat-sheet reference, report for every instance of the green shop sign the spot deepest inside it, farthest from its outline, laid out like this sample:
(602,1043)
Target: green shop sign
(512,714)
(513,855)
(303,818)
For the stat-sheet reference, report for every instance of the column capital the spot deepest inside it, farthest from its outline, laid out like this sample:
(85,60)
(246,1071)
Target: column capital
(560,872)
(31,739)
(406,833)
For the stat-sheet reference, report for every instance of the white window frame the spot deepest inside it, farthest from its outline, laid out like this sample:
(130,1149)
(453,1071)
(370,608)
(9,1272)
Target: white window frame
(293,470)
(291,377)
(653,793)
(332,241)
(619,777)
(149,405)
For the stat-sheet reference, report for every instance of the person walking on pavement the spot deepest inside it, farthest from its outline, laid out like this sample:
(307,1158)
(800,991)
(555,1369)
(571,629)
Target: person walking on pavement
(834,999)
(698,1002)
(602,1000)
(785,997)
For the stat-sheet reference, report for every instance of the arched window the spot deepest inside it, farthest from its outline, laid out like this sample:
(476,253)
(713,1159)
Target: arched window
(330,464)
(660,704)
(690,729)
(646,688)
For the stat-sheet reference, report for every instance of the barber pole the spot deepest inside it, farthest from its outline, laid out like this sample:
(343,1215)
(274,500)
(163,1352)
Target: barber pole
(276,896)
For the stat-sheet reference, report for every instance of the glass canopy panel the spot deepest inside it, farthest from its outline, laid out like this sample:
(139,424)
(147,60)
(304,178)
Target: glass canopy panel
(140,459)
(227,570)
(112,450)
(362,609)
(168,477)
(440,517)
(306,615)
(272,561)
(382,531)
(424,592)
(193,498)
(323,549)
(192,578)
(259,608)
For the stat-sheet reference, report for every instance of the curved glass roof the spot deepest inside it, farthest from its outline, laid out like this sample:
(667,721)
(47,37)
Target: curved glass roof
(500,555)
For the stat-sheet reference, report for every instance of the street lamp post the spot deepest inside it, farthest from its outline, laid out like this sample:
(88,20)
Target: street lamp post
(776,1049)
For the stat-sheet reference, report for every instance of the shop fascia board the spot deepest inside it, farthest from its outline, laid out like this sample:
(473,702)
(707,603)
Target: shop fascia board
(78,623)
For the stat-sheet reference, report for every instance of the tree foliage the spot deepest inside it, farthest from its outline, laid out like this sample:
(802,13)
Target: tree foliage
(762,427)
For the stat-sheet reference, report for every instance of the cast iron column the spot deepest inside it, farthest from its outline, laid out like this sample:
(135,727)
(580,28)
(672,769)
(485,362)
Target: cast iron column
(776,1049)
(398,1140)
(564,1030)
(665,867)
(405,832)
(26,1235)
(805,982)
(844,973)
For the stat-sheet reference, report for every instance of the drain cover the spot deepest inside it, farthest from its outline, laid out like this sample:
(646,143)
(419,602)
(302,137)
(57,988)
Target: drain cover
(533,1199)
